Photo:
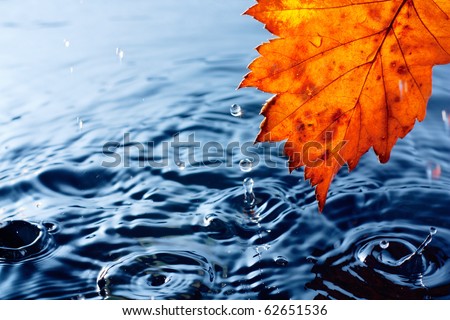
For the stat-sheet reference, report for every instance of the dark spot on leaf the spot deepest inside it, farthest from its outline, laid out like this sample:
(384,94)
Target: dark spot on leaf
(397,99)
(337,114)
(402,70)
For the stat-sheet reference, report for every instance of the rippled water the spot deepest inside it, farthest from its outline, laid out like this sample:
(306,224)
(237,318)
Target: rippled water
(79,74)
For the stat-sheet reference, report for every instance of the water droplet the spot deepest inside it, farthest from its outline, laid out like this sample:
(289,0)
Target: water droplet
(66,43)
(209,218)
(71,70)
(433,170)
(281,261)
(246,165)
(311,259)
(248,185)
(79,123)
(249,196)
(384,244)
(446,119)
(120,53)
(181,165)
(427,241)
(50,226)
(236,110)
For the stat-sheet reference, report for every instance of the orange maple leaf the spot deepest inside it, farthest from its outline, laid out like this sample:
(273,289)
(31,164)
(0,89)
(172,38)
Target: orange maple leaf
(347,75)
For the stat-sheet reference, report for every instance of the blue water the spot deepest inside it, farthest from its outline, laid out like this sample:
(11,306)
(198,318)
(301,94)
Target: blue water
(79,74)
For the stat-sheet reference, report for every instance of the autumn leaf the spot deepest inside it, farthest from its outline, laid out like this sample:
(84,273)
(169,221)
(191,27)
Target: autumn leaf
(348,75)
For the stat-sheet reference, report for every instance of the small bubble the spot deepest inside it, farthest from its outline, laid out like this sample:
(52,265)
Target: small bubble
(384,244)
(281,261)
(66,43)
(433,230)
(236,110)
(246,165)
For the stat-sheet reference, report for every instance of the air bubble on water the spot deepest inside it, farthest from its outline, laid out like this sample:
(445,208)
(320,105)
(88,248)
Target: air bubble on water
(384,244)
(66,43)
(236,110)
(281,261)
(249,196)
(246,165)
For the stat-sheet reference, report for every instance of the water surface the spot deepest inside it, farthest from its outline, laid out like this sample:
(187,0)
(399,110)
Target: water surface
(80,74)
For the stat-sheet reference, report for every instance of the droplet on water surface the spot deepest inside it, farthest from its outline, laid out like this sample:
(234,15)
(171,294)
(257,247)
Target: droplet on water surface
(181,165)
(384,244)
(427,241)
(246,165)
(236,110)
(248,185)
(281,261)
(249,196)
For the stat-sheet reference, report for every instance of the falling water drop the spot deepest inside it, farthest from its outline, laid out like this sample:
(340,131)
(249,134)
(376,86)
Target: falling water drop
(433,170)
(120,53)
(236,110)
(433,230)
(446,119)
(79,123)
(249,196)
(384,244)
(246,165)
